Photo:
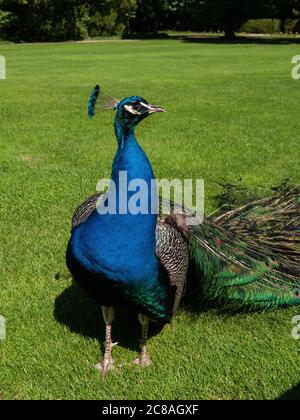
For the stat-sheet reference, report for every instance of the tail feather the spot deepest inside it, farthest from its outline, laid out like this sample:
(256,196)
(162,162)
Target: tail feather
(250,257)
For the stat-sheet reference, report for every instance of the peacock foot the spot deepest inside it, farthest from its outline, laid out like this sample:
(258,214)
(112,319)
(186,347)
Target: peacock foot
(144,359)
(106,364)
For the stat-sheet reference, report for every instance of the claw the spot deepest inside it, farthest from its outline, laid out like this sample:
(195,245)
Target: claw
(144,359)
(106,364)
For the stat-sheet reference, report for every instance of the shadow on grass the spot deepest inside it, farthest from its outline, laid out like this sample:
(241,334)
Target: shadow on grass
(263,40)
(292,394)
(83,316)
(218,39)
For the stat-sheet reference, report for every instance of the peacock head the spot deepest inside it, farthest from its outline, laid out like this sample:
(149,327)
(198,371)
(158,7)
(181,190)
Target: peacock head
(131,111)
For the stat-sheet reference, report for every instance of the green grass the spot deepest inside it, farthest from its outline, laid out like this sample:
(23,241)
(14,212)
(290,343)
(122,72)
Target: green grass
(233,111)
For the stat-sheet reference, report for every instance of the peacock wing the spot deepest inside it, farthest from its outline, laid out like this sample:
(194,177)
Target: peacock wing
(84,210)
(172,251)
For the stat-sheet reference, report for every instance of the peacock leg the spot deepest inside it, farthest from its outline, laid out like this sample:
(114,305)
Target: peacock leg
(144,357)
(107,361)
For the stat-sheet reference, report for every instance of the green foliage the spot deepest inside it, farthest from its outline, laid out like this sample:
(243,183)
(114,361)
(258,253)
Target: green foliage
(209,15)
(261,26)
(5,18)
(292,26)
(155,15)
(44,20)
(110,17)
(99,24)
(227,15)
(271,26)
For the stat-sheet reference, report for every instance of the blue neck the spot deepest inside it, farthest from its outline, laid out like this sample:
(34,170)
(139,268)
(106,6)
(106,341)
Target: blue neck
(130,237)
(122,133)
(124,249)
(131,158)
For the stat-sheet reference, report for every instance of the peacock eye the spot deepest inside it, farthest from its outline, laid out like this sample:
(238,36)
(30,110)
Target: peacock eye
(137,106)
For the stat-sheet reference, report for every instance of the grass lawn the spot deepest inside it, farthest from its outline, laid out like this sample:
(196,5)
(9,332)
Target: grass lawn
(233,111)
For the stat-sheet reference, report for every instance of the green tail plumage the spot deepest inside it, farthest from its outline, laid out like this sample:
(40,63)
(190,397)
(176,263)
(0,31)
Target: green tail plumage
(250,256)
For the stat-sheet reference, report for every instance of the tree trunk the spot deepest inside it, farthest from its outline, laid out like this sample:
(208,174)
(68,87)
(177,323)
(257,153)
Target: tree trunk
(156,24)
(229,33)
(282,25)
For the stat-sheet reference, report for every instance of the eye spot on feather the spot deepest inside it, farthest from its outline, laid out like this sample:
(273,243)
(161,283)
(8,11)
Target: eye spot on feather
(297,293)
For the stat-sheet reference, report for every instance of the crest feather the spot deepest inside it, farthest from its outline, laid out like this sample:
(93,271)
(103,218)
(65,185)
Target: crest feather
(99,101)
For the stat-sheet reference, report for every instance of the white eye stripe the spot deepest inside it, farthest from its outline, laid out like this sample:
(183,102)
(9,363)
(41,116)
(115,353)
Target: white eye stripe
(145,105)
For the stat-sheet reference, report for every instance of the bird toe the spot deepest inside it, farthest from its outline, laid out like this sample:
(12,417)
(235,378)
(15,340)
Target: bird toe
(143,360)
(105,365)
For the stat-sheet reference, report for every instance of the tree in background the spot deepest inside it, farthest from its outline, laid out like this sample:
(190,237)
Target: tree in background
(205,15)
(286,9)
(147,17)
(230,15)
(110,17)
(46,20)
(226,15)
(42,20)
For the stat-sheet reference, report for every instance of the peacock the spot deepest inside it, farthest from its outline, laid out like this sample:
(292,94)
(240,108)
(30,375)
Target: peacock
(247,257)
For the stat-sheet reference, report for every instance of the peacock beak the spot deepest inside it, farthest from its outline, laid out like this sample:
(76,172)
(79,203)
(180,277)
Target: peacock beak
(155,108)
(152,108)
